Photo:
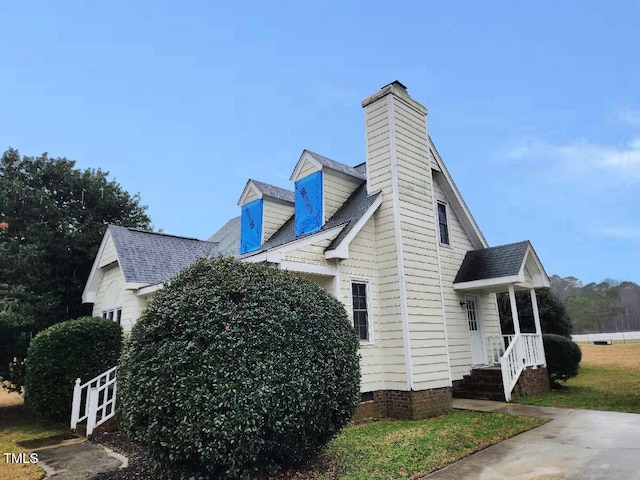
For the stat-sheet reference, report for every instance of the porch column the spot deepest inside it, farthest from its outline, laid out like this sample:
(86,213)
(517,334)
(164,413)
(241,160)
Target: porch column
(536,313)
(541,358)
(514,310)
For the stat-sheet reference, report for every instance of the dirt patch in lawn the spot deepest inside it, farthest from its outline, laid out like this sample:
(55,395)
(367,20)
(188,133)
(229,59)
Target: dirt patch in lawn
(10,399)
(46,441)
(618,355)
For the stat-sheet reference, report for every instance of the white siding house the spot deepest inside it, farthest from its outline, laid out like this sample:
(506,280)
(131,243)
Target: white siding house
(391,238)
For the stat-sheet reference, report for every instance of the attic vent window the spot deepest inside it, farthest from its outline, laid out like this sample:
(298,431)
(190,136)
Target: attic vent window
(251,226)
(308,204)
(443,224)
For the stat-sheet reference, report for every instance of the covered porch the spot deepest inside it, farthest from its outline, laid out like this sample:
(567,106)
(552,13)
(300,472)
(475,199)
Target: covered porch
(502,269)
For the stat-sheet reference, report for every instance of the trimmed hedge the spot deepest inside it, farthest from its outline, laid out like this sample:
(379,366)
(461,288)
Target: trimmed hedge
(237,368)
(80,348)
(563,357)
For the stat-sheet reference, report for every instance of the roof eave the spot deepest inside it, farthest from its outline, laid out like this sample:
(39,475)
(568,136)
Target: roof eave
(489,284)
(540,278)
(305,156)
(91,287)
(245,193)
(135,285)
(150,289)
(276,254)
(341,251)
(468,222)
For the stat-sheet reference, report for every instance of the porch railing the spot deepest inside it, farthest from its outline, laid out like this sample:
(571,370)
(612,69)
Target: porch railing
(533,350)
(521,350)
(511,366)
(94,401)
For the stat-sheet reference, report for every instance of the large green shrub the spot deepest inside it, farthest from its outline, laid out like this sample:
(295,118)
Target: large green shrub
(563,357)
(80,348)
(236,368)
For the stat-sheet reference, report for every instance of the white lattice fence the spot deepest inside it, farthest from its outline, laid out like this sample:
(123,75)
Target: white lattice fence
(94,401)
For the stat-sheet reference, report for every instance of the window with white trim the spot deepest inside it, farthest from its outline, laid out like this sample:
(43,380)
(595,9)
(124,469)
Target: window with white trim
(443,224)
(114,314)
(360,308)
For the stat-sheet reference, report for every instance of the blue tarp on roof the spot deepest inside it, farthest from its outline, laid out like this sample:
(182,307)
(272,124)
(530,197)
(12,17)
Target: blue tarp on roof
(251,226)
(308,204)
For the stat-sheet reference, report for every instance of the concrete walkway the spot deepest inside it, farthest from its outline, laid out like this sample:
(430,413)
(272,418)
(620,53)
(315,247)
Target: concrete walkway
(574,445)
(78,459)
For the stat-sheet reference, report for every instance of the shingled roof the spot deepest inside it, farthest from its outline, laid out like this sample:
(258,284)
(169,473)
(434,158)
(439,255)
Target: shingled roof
(274,192)
(338,167)
(348,215)
(493,262)
(151,258)
(228,238)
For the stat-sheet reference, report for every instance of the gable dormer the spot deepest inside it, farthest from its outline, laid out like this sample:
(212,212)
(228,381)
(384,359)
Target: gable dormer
(265,208)
(322,186)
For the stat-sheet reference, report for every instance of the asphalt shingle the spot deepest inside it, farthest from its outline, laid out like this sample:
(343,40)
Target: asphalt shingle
(493,262)
(339,167)
(228,238)
(151,258)
(348,215)
(274,192)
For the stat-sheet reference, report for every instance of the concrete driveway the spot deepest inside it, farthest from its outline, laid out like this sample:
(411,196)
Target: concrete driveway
(574,445)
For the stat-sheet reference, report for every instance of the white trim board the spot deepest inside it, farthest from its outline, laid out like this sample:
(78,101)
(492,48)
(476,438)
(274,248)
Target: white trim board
(248,188)
(342,250)
(304,158)
(539,278)
(275,254)
(96,273)
(402,290)
(149,289)
(459,206)
(312,268)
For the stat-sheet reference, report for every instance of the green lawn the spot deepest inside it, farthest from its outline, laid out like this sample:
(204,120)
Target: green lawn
(609,379)
(410,449)
(377,450)
(17,424)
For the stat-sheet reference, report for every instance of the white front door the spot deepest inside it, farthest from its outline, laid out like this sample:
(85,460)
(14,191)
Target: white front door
(475,331)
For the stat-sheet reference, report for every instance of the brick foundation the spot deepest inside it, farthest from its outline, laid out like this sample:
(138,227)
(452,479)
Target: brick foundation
(405,405)
(367,411)
(532,382)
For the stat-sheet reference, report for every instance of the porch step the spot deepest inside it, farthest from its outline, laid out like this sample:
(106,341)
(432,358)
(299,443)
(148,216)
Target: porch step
(481,384)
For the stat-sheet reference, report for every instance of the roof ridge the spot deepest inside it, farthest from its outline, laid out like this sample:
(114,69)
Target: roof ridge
(334,164)
(148,257)
(269,184)
(151,232)
(502,246)
(273,191)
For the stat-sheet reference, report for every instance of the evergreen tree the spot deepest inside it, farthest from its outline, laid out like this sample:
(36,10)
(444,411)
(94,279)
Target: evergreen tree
(52,219)
(553,315)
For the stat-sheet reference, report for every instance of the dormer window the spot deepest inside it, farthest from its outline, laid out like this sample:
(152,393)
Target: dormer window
(265,209)
(308,204)
(251,226)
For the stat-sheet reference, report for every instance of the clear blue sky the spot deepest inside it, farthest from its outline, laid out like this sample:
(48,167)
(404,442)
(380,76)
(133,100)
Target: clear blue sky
(534,106)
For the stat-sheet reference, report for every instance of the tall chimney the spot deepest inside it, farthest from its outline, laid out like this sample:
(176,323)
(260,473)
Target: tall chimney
(398,164)
(396,131)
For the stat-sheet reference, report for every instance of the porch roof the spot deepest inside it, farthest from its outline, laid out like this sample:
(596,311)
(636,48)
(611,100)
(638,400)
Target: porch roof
(495,268)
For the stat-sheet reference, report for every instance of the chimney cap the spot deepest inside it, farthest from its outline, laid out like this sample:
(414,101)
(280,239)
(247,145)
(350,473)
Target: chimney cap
(395,83)
(397,89)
